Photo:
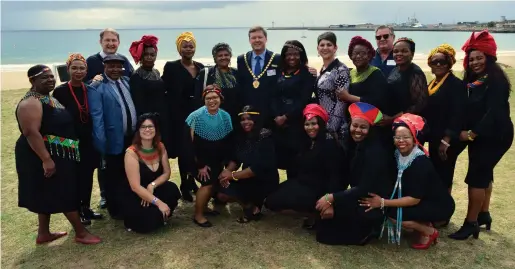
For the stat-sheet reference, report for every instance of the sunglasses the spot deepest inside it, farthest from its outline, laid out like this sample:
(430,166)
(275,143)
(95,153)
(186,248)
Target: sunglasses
(441,62)
(379,37)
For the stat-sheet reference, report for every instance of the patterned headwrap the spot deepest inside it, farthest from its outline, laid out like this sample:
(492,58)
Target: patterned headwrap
(365,111)
(312,110)
(136,48)
(446,50)
(409,41)
(74,57)
(415,124)
(212,88)
(299,49)
(482,41)
(358,40)
(186,36)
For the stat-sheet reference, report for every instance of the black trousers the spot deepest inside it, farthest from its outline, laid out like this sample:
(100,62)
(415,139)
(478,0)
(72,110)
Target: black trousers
(86,171)
(114,177)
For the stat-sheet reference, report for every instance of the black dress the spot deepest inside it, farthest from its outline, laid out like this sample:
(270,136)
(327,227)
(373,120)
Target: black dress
(418,181)
(488,116)
(408,91)
(293,92)
(147,219)
(319,173)
(90,158)
(149,95)
(371,171)
(258,154)
(58,193)
(444,114)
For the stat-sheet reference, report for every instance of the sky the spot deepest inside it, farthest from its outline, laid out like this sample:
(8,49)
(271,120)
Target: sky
(57,15)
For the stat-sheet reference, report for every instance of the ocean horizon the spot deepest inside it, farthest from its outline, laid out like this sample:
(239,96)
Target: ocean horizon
(22,48)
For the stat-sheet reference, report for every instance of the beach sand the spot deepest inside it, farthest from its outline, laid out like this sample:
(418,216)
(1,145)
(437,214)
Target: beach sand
(17,79)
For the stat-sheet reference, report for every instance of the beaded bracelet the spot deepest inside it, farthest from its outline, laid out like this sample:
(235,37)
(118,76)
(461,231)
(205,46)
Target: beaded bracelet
(327,199)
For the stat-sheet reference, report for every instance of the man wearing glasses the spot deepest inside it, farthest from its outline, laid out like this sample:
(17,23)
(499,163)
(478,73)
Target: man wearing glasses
(384,53)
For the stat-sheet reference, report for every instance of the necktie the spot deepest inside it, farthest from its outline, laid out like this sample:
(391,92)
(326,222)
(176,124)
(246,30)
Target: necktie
(127,110)
(257,67)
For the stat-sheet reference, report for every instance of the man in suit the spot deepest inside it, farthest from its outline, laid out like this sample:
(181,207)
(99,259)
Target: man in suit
(257,73)
(109,41)
(114,122)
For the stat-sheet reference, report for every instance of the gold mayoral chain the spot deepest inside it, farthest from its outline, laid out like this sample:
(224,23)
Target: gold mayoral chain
(255,83)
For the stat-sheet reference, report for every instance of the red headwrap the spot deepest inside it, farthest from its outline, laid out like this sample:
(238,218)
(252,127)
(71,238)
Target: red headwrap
(358,40)
(313,110)
(415,124)
(136,48)
(482,41)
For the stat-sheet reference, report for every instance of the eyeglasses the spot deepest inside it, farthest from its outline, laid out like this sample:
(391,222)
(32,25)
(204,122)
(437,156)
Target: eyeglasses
(378,37)
(441,62)
(212,98)
(401,138)
(360,54)
(149,127)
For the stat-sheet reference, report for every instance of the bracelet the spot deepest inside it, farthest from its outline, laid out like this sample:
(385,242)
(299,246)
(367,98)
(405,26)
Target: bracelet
(445,143)
(327,199)
(233,178)
(382,203)
(154,201)
(469,136)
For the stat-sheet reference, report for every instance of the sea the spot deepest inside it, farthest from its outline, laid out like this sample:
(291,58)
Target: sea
(21,49)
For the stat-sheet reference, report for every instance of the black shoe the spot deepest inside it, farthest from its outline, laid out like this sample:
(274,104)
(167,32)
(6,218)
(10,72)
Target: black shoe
(84,220)
(468,229)
(186,195)
(90,214)
(103,203)
(205,224)
(484,218)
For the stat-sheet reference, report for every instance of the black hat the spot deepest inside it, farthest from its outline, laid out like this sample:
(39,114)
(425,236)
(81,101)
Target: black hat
(114,58)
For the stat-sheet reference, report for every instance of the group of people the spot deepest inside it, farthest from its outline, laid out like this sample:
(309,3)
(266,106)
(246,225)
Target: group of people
(351,140)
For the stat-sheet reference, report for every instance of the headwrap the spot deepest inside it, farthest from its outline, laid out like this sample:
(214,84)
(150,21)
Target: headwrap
(446,50)
(75,57)
(365,111)
(313,110)
(37,70)
(136,48)
(212,88)
(186,36)
(249,111)
(409,41)
(415,124)
(482,41)
(358,40)
(219,47)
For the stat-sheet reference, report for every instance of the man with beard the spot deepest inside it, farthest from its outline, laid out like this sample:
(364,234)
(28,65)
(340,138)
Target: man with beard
(383,58)
(114,121)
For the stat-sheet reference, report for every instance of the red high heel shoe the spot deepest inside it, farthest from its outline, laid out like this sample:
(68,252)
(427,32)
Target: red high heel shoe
(432,239)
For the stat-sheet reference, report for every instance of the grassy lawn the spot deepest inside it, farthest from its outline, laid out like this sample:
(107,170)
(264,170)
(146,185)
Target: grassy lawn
(275,242)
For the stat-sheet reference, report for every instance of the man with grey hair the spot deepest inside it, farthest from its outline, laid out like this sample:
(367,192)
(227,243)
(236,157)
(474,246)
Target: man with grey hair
(383,59)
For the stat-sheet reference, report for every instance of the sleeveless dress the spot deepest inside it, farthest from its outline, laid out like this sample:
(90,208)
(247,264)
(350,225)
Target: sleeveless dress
(58,193)
(147,219)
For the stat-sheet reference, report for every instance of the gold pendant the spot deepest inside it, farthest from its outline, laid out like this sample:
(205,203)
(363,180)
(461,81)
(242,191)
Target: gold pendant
(255,84)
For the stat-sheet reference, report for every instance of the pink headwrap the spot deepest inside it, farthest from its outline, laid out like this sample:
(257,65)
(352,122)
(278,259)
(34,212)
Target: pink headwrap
(136,48)
(415,124)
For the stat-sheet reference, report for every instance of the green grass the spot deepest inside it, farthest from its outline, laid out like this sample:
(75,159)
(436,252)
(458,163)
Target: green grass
(275,242)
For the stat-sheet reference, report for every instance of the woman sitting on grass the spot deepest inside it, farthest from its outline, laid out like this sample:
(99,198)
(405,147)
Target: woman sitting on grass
(149,198)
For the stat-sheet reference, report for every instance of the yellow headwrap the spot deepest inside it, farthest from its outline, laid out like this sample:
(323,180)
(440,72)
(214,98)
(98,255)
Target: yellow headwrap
(447,50)
(186,36)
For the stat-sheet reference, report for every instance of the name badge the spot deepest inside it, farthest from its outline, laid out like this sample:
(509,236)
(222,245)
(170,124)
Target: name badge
(270,72)
(390,62)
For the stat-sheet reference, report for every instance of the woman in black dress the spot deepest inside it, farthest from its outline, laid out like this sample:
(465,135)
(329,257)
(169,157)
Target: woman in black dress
(344,222)
(179,77)
(444,113)
(149,197)
(295,85)
(47,153)
(488,128)
(224,77)
(73,95)
(318,163)
(147,88)
(207,148)
(418,198)
(254,152)
(407,84)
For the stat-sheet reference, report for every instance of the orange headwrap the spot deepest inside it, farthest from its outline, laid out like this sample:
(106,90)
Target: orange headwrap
(75,57)
(482,41)
(313,110)
(415,124)
(136,48)
(186,36)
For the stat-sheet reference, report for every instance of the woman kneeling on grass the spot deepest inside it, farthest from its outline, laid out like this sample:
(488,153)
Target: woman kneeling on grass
(255,153)
(149,198)
(419,197)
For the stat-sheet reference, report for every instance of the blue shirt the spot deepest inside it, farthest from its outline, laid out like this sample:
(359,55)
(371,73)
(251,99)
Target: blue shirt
(261,61)
(386,66)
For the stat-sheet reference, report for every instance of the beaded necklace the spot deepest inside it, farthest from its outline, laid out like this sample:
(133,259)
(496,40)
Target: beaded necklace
(432,88)
(480,81)
(291,75)
(83,108)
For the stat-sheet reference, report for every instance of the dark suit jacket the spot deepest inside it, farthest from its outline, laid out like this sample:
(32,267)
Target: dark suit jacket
(260,98)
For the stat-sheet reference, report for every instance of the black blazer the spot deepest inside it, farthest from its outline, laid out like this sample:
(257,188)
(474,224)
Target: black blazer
(260,98)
